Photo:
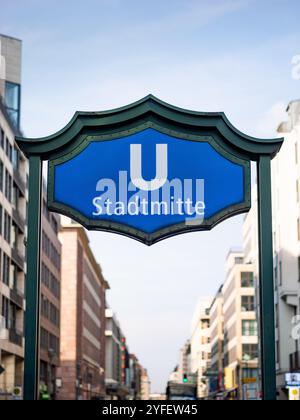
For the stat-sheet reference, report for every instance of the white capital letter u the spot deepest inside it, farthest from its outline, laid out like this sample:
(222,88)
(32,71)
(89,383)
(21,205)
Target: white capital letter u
(136,167)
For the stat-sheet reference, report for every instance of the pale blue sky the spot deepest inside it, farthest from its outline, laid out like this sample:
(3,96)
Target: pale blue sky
(215,55)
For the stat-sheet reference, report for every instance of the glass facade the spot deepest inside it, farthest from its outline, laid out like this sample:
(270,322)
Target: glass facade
(12,101)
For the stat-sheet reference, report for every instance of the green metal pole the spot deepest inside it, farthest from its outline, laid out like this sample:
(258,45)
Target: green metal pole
(266,283)
(32,315)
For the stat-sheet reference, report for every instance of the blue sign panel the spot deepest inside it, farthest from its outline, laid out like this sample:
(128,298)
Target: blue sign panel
(148,183)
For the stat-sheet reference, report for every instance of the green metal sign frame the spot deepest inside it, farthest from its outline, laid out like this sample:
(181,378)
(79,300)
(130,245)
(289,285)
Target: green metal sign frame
(213,128)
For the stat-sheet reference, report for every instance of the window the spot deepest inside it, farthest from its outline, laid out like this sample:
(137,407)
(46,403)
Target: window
(248,303)
(12,102)
(1,218)
(15,197)
(204,325)
(54,315)
(8,185)
(275,278)
(45,307)
(247,279)
(8,149)
(44,339)
(250,351)
(54,224)
(7,227)
(249,328)
(277,351)
(1,138)
(54,343)
(14,276)
(5,311)
(6,269)
(1,175)
(45,275)
(280,273)
(15,158)
(248,372)
(54,286)
(12,316)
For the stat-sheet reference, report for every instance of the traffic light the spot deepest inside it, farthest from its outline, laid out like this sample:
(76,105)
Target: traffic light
(185,378)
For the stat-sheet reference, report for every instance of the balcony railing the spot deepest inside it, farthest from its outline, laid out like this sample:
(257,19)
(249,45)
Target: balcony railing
(17,297)
(19,181)
(16,337)
(17,257)
(295,361)
(20,221)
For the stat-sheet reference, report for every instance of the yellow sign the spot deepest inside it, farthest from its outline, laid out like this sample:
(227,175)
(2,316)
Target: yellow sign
(229,378)
(249,380)
(294,394)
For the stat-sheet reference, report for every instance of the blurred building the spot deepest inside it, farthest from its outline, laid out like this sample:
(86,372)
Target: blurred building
(50,301)
(13,203)
(200,346)
(216,320)
(184,367)
(240,348)
(125,377)
(145,385)
(116,358)
(135,376)
(83,289)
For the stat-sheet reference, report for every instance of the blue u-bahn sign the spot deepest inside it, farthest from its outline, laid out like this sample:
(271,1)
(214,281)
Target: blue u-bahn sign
(149,182)
(150,170)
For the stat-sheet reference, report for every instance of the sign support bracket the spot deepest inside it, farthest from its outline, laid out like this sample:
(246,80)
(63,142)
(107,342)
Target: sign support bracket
(266,283)
(32,324)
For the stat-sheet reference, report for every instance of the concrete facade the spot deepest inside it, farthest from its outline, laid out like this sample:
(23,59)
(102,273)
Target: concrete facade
(216,319)
(13,200)
(286,242)
(240,324)
(200,346)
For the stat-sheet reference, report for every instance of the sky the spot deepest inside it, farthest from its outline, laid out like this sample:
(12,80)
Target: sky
(233,56)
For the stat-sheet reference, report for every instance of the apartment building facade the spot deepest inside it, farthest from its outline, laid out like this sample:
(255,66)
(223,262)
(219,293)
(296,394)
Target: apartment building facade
(145,385)
(183,369)
(200,346)
(50,301)
(216,319)
(286,244)
(83,289)
(13,208)
(116,358)
(240,360)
